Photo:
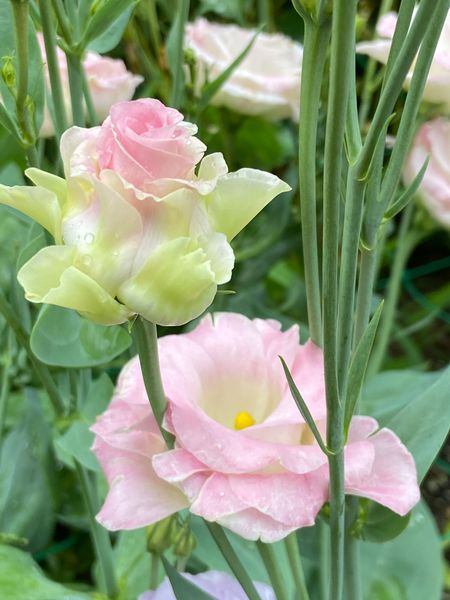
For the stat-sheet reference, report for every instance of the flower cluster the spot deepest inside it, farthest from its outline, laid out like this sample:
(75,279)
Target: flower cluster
(244,456)
(142,222)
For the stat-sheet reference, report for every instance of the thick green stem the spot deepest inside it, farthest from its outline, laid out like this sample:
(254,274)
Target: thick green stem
(274,571)
(178,72)
(48,30)
(341,76)
(146,338)
(232,559)
(314,53)
(295,561)
(75,72)
(40,369)
(154,573)
(100,537)
(63,22)
(406,242)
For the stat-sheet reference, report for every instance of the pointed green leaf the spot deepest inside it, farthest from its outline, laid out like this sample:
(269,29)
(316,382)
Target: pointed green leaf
(104,18)
(211,88)
(408,194)
(423,424)
(380,140)
(304,410)
(358,365)
(183,588)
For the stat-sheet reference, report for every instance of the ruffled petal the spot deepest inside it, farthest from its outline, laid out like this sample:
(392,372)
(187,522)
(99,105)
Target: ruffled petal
(238,197)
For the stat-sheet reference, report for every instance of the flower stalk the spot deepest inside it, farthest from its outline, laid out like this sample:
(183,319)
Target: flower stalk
(295,561)
(277,580)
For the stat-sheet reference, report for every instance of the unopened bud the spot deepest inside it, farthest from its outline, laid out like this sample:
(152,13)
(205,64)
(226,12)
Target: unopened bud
(185,542)
(162,535)
(9,74)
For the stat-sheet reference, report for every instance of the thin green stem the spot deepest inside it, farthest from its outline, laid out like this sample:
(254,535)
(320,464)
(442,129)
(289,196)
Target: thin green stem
(40,369)
(153,21)
(406,242)
(394,83)
(276,577)
(146,338)
(20,12)
(233,560)
(48,30)
(100,537)
(178,71)
(295,561)
(74,69)
(367,271)
(63,21)
(92,115)
(6,373)
(154,573)
(265,14)
(324,553)
(341,76)
(353,587)
(314,53)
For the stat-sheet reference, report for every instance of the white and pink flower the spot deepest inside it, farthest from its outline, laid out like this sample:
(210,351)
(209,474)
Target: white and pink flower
(243,456)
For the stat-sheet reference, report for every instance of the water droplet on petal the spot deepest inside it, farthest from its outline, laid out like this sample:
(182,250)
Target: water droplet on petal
(89,238)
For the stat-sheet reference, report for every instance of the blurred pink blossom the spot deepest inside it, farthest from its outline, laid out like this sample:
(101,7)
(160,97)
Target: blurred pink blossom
(108,80)
(219,585)
(433,140)
(244,456)
(437,87)
(267,82)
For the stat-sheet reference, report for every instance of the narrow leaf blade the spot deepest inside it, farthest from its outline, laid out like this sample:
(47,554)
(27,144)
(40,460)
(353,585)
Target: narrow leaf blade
(304,410)
(408,194)
(183,588)
(358,365)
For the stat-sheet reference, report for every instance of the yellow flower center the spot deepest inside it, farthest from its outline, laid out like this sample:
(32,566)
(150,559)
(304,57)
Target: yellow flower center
(243,420)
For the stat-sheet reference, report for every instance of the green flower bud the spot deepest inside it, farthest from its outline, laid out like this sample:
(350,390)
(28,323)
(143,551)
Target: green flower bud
(9,74)
(185,542)
(162,535)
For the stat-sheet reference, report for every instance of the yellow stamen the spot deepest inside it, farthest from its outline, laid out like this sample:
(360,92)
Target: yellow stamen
(243,420)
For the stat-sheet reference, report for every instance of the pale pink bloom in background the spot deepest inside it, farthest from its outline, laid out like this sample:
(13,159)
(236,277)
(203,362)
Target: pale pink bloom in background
(433,140)
(244,456)
(217,584)
(437,87)
(108,80)
(266,83)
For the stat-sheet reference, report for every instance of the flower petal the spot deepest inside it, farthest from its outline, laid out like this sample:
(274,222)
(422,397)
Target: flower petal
(238,197)
(50,277)
(175,285)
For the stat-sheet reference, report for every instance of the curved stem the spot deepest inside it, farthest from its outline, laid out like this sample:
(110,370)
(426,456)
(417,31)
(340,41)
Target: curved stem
(232,559)
(100,537)
(295,561)
(276,577)
(314,53)
(146,338)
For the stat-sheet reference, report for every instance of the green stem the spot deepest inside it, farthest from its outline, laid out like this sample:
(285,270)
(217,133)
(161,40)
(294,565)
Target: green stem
(154,573)
(341,76)
(293,552)
(406,242)
(40,369)
(146,338)
(178,74)
(63,21)
(314,53)
(353,588)
(265,14)
(48,30)
(154,27)
(74,69)
(4,391)
(20,12)
(276,577)
(367,272)
(92,115)
(233,560)
(100,537)
(324,565)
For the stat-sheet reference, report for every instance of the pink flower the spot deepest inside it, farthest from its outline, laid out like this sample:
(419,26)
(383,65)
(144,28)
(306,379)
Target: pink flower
(244,456)
(108,80)
(437,87)
(219,585)
(433,140)
(267,82)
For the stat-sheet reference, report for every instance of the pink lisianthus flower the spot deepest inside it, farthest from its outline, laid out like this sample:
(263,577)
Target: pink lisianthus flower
(108,80)
(243,455)
(437,86)
(433,141)
(265,83)
(217,584)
